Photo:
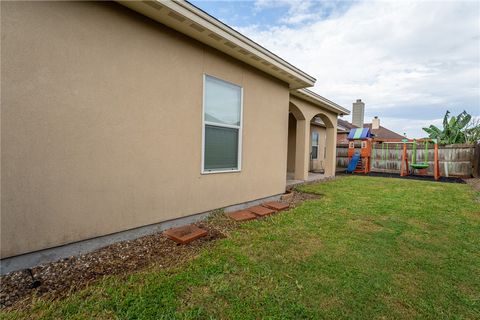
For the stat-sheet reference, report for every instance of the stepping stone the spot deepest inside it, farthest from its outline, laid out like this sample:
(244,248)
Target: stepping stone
(242,215)
(261,211)
(275,205)
(185,234)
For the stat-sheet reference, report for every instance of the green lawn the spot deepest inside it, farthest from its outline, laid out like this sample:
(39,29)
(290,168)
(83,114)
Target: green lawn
(370,248)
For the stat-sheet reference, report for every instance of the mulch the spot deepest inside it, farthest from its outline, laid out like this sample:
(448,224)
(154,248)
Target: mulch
(57,279)
(409,177)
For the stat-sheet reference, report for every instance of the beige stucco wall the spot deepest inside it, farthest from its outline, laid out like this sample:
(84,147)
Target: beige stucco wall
(101,125)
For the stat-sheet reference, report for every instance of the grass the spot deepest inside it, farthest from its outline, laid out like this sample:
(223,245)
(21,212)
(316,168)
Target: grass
(370,248)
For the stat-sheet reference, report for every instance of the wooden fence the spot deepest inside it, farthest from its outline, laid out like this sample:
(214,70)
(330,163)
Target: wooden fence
(457,160)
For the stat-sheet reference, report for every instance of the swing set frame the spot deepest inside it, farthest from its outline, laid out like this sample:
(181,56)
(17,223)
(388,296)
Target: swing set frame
(404,168)
(368,149)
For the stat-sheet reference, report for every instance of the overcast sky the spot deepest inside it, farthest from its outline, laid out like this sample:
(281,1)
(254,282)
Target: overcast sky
(408,61)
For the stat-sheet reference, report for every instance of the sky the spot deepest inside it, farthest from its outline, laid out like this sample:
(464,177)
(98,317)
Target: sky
(409,62)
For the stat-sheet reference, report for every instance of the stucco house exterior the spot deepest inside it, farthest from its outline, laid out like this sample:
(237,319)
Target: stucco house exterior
(120,117)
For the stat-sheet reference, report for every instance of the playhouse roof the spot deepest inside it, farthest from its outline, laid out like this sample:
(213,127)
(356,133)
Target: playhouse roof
(359,134)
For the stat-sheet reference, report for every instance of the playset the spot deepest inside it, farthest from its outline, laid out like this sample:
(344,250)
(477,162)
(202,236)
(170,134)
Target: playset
(359,159)
(361,143)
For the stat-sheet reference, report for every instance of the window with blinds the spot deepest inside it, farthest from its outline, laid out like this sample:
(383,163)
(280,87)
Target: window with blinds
(222,125)
(314,152)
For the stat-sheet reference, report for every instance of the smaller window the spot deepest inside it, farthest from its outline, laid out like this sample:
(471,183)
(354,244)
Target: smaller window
(314,145)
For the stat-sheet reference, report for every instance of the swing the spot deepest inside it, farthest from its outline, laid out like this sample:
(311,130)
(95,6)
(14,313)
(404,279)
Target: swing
(404,168)
(419,165)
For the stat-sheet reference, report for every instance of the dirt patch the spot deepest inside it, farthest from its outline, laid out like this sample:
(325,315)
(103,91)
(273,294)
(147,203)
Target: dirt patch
(365,224)
(57,279)
(402,308)
(474,182)
(419,224)
(475,215)
(305,247)
(300,197)
(408,282)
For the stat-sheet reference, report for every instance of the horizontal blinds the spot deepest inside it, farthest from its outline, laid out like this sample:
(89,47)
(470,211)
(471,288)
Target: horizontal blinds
(221,148)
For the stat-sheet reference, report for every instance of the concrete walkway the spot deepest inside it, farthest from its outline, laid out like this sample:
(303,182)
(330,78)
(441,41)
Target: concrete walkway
(312,177)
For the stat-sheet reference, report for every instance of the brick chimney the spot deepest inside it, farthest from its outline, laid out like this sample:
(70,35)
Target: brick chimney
(358,111)
(375,123)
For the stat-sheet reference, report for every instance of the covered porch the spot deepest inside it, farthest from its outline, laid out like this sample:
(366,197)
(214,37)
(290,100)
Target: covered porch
(312,134)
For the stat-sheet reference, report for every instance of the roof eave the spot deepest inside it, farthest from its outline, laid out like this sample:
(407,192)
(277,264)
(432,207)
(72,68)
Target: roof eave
(320,101)
(197,24)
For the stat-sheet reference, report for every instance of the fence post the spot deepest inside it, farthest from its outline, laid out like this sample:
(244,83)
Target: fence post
(476,161)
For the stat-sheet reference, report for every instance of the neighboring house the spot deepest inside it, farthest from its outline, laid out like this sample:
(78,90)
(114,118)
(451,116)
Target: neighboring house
(383,134)
(380,133)
(117,118)
(343,128)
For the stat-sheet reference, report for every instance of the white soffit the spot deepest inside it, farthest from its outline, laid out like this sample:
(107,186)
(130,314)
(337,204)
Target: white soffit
(195,23)
(319,101)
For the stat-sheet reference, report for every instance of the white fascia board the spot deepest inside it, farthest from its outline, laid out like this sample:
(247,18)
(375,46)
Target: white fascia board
(319,101)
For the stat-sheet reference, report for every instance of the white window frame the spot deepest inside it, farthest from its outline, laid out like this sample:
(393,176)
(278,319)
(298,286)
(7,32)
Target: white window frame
(239,127)
(312,145)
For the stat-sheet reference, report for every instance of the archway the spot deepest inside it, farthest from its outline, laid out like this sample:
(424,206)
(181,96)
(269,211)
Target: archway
(322,144)
(298,130)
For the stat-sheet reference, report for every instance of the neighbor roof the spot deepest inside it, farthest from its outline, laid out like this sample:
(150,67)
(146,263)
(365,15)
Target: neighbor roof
(346,125)
(197,24)
(383,133)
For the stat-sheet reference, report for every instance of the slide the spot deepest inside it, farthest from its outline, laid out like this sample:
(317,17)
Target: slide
(353,163)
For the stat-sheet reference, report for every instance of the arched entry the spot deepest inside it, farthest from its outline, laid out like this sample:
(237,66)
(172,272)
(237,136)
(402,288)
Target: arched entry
(323,138)
(298,129)
(302,112)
